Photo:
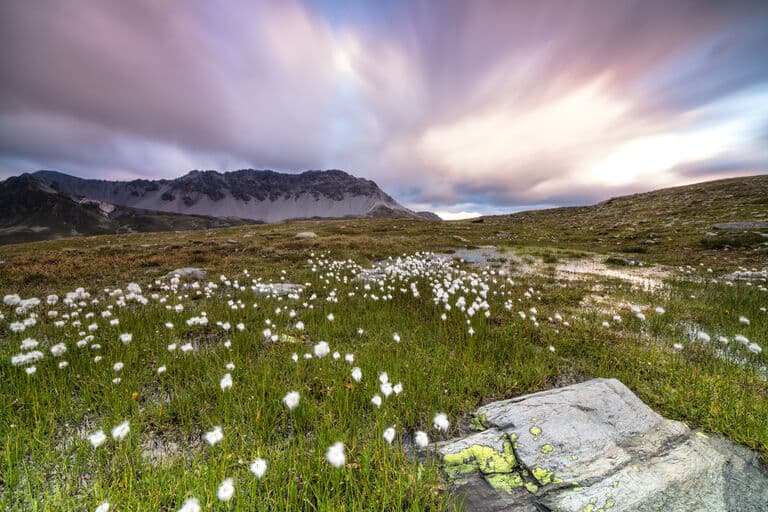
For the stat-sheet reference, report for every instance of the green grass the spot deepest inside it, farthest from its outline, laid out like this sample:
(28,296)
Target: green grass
(47,465)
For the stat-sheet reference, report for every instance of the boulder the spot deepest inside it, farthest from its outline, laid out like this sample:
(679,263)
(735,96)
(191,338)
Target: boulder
(595,446)
(306,234)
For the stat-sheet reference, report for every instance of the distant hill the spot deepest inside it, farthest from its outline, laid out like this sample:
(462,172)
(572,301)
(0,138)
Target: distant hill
(709,216)
(265,196)
(31,209)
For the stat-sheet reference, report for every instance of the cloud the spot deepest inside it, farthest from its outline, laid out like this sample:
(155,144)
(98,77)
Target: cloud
(486,104)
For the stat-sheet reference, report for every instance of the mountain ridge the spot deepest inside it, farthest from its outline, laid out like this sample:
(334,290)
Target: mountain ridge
(261,195)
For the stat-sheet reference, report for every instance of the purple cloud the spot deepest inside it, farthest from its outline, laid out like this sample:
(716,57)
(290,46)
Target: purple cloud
(466,104)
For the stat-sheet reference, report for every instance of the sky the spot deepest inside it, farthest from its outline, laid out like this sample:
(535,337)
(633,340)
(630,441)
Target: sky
(458,107)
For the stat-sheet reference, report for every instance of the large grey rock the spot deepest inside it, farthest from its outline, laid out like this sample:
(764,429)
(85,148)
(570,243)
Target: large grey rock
(596,446)
(306,234)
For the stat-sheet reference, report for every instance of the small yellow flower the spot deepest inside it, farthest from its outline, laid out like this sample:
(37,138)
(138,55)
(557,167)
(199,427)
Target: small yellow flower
(135,395)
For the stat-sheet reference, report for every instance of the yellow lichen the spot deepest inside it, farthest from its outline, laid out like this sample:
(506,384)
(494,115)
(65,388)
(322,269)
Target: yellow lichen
(547,448)
(505,482)
(535,431)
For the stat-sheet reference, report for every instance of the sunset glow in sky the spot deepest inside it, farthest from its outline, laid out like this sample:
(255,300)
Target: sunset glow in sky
(459,107)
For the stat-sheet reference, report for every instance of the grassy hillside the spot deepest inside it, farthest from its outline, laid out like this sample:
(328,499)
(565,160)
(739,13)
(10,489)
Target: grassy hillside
(524,324)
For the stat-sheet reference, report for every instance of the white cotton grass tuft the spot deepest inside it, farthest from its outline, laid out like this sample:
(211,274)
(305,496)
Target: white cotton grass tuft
(161,370)
(702,337)
(754,348)
(214,436)
(97,438)
(677,346)
(31,370)
(330,317)
(259,467)
(740,338)
(335,455)
(29,344)
(226,490)
(118,366)
(389,435)
(398,388)
(126,338)
(376,400)
(396,337)
(322,349)
(350,358)
(357,374)
(421,439)
(744,320)
(226,382)
(26,358)
(191,505)
(660,310)
(121,431)
(291,400)
(441,422)
(103,507)
(58,349)
(383,377)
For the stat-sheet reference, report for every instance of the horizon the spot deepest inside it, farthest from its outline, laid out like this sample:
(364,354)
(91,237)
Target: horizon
(460,109)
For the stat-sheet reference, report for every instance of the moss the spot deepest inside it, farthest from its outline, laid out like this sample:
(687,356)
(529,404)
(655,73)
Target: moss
(531,487)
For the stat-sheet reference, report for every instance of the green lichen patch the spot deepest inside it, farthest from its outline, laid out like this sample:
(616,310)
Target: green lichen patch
(531,487)
(535,431)
(547,448)
(504,482)
(480,458)
(479,421)
(545,477)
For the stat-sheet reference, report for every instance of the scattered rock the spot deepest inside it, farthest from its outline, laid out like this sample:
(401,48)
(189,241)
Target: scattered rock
(230,241)
(741,225)
(596,446)
(194,273)
(306,234)
(746,275)
(277,289)
(460,239)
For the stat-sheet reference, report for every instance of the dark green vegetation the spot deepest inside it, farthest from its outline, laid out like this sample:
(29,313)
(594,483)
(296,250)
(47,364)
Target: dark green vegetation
(47,465)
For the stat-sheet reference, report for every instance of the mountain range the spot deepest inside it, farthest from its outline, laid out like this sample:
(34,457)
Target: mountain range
(50,204)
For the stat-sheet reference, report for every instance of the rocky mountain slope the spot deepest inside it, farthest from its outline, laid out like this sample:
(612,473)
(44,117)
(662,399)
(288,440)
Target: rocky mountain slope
(265,196)
(31,209)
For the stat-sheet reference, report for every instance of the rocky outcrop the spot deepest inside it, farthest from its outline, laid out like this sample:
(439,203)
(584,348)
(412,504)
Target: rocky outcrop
(594,447)
(261,195)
